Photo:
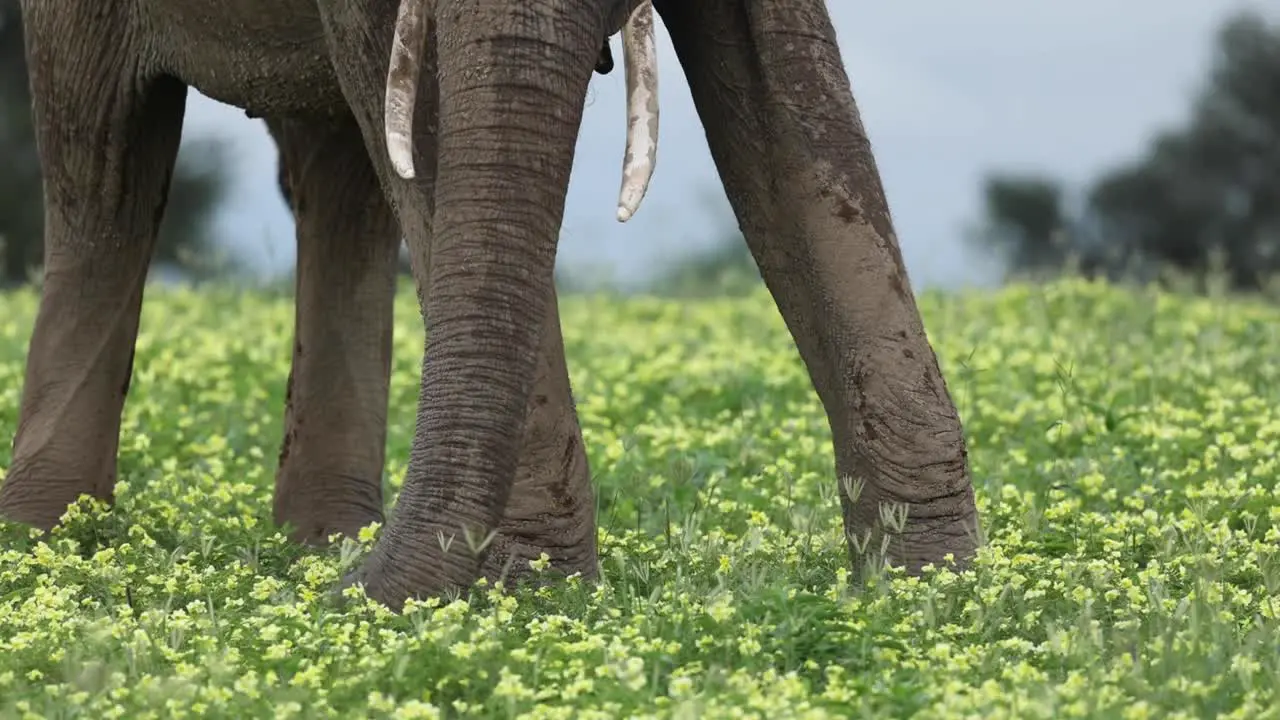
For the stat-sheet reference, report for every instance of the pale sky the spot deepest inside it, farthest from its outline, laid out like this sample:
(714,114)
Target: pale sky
(948,91)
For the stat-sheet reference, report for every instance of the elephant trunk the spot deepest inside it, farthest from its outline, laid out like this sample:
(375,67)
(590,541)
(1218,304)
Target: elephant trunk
(512,85)
(640,61)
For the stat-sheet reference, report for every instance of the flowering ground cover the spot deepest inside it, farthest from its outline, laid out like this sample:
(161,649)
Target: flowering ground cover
(1123,445)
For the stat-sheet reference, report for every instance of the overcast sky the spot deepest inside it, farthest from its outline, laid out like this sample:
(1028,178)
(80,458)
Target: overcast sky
(948,91)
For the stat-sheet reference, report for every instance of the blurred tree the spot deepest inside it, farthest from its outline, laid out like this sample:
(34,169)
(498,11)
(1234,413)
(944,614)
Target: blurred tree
(1024,222)
(1206,192)
(199,181)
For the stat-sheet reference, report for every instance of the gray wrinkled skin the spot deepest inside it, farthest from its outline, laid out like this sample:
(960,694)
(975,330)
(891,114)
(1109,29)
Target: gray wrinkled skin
(497,472)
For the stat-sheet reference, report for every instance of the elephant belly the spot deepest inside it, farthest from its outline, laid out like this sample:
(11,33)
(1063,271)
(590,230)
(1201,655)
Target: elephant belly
(267,57)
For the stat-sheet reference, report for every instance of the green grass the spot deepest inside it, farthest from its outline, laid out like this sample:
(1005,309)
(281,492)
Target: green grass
(1123,446)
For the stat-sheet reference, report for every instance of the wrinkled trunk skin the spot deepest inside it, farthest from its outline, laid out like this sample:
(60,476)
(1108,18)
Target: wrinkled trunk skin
(772,93)
(107,137)
(511,86)
(331,458)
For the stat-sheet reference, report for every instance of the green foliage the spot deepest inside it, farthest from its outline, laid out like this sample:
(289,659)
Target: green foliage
(1204,194)
(1024,222)
(199,182)
(1124,446)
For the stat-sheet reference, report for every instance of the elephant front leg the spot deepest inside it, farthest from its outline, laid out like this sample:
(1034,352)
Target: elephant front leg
(552,506)
(331,458)
(511,86)
(108,136)
(770,88)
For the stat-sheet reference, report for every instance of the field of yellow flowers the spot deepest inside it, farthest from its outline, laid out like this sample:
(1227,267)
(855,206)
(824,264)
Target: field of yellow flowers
(1123,444)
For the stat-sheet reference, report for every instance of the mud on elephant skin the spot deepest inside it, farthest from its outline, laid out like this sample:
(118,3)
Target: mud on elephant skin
(495,123)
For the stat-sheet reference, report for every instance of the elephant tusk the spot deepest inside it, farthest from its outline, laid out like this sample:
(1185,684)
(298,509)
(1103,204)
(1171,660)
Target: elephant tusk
(402,84)
(640,62)
(640,58)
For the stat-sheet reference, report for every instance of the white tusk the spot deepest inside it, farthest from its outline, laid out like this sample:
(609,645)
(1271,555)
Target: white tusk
(402,84)
(640,62)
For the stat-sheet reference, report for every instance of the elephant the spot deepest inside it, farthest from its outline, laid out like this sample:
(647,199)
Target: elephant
(331,458)
(346,239)
(486,98)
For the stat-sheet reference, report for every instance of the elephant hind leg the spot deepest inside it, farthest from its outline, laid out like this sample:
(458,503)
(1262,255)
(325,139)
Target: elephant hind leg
(329,478)
(108,136)
(771,90)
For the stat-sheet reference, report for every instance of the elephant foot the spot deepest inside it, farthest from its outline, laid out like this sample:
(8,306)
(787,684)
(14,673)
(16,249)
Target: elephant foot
(437,561)
(39,500)
(316,506)
(417,558)
(913,535)
(551,512)
(515,560)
